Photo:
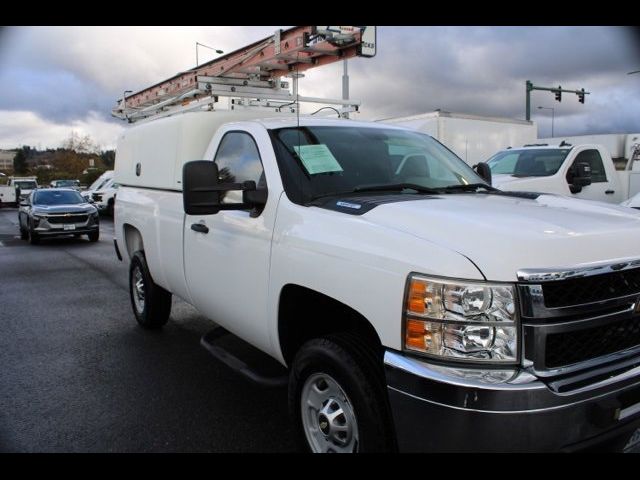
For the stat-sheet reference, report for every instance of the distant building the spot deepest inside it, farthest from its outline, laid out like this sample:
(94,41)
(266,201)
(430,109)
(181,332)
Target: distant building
(6,159)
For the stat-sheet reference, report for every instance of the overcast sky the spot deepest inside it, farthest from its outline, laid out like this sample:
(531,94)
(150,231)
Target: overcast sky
(55,80)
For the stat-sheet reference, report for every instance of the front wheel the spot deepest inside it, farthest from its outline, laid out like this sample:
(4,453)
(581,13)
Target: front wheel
(337,396)
(151,303)
(94,236)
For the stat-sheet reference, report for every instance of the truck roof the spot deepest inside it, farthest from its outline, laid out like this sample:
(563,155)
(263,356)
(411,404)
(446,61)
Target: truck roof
(553,147)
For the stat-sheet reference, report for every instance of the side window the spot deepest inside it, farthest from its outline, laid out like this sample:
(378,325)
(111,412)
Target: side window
(592,157)
(238,160)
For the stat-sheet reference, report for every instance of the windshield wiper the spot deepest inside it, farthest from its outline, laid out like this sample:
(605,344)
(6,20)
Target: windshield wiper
(392,187)
(470,187)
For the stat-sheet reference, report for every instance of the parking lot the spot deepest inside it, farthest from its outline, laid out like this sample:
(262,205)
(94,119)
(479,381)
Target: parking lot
(79,375)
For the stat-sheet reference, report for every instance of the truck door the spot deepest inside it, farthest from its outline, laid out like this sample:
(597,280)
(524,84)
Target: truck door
(602,188)
(227,268)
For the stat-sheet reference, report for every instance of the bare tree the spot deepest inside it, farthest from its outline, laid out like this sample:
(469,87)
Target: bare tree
(80,143)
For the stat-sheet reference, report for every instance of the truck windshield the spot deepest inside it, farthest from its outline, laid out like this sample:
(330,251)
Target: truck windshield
(98,183)
(51,197)
(26,184)
(539,162)
(327,160)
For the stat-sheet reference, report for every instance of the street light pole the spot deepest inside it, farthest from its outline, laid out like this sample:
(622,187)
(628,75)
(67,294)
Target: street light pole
(206,46)
(552,116)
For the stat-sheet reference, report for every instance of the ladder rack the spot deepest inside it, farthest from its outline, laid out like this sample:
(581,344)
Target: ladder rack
(252,76)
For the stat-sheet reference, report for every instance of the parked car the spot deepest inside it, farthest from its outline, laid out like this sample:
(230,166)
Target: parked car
(75,184)
(56,212)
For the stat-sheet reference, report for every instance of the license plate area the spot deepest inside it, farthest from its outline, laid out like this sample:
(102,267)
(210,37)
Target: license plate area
(68,226)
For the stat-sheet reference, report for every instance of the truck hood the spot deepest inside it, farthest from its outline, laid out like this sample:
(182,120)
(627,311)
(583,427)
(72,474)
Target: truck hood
(501,234)
(509,182)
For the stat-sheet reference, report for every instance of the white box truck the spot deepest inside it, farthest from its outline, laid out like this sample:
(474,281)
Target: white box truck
(473,138)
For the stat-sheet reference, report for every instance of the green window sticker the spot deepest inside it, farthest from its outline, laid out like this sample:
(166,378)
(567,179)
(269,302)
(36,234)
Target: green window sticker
(317,159)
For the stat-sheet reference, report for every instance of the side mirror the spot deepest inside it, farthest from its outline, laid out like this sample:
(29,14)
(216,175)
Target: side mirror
(483,170)
(202,191)
(579,176)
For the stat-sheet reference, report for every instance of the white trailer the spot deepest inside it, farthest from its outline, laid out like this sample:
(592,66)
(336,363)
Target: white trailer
(473,138)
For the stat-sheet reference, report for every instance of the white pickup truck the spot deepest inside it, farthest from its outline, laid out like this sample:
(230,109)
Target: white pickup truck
(415,307)
(9,192)
(582,171)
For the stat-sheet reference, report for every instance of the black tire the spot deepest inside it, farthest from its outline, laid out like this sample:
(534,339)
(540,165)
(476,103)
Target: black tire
(110,208)
(33,237)
(94,236)
(357,368)
(156,303)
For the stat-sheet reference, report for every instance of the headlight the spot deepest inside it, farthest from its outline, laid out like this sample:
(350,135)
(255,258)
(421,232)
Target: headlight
(470,321)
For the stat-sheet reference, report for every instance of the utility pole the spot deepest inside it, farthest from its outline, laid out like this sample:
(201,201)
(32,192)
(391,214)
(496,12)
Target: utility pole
(558,92)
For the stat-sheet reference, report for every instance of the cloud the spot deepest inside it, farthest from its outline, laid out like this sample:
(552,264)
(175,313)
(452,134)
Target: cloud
(61,74)
(27,128)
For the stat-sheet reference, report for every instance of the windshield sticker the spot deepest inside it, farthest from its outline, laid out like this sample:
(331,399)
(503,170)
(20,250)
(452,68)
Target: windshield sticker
(356,206)
(317,159)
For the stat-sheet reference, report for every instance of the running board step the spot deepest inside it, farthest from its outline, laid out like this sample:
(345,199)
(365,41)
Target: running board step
(209,341)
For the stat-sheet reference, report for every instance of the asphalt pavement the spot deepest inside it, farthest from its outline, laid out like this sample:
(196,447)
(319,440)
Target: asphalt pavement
(77,374)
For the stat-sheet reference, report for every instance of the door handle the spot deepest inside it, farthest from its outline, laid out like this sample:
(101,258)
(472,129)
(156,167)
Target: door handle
(610,192)
(199,227)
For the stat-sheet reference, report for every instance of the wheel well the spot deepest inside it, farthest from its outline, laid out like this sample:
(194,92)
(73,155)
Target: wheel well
(132,239)
(305,314)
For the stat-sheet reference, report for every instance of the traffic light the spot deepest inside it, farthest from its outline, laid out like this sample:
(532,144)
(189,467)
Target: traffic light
(581,96)
(559,94)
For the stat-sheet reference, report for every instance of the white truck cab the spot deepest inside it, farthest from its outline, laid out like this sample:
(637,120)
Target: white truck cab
(415,306)
(580,171)
(25,185)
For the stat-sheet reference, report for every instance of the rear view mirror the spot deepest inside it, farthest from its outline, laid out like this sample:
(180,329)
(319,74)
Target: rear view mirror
(579,176)
(202,191)
(483,170)
(200,195)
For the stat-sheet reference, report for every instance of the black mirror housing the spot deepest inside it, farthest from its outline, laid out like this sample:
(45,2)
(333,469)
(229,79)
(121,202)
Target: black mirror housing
(579,176)
(200,193)
(483,170)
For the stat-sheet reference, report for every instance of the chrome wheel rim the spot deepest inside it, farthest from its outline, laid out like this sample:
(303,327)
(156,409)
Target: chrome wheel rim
(138,289)
(328,417)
